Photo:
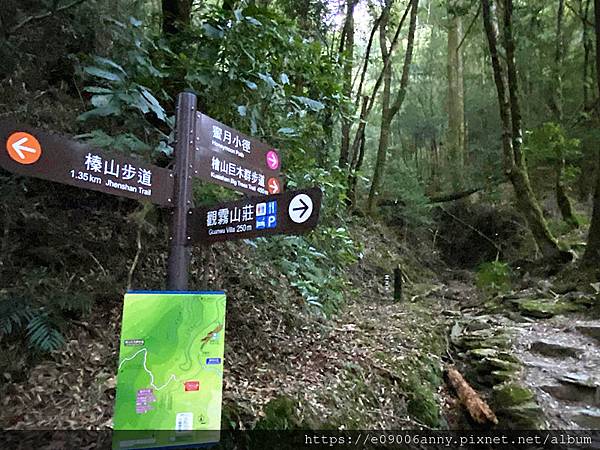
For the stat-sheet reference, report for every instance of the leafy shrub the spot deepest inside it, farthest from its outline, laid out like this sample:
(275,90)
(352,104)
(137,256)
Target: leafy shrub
(41,331)
(122,87)
(412,206)
(316,263)
(549,143)
(493,276)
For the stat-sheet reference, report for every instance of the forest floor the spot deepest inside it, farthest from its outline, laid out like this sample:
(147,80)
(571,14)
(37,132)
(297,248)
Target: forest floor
(375,364)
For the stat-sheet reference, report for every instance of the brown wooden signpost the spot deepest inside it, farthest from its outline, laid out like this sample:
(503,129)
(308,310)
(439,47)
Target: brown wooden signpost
(204,148)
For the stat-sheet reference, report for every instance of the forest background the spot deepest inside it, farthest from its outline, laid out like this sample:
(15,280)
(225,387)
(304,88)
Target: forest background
(396,109)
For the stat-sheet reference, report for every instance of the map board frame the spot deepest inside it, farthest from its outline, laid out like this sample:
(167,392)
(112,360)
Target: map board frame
(170,370)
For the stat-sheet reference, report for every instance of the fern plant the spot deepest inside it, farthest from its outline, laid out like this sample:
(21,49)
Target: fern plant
(42,333)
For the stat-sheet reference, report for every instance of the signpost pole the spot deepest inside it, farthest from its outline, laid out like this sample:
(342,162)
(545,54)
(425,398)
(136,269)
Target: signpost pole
(179,241)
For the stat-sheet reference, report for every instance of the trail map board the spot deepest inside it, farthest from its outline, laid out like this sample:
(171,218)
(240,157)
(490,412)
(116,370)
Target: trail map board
(170,372)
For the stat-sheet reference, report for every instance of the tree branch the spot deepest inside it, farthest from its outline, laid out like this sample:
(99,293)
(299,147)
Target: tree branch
(41,16)
(582,18)
(453,196)
(407,60)
(388,61)
(462,41)
(371,101)
(365,65)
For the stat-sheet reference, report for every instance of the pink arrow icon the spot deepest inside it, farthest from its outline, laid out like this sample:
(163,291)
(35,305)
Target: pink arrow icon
(272,160)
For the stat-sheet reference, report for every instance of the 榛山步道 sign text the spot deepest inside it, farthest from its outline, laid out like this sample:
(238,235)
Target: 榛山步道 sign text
(54,157)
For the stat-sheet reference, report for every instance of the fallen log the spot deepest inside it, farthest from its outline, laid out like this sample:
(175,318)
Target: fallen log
(470,399)
(443,198)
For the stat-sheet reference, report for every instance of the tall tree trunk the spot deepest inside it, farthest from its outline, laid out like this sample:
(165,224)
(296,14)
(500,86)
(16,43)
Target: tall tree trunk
(357,159)
(176,15)
(562,199)
(356,153)
(456,100)
(360,130)
(587,49)
(347,53)
(585,181)
(591,257)
(512,137)
(390,111)
(386,119)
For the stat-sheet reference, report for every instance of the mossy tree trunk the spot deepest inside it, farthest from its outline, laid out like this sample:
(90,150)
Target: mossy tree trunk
(512,136)
(585,182)
(591,256)
(357,156)
(347,55)
(562,199)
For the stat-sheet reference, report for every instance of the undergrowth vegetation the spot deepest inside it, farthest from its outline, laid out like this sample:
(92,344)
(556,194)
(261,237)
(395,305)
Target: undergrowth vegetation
(251,68)
(493,277)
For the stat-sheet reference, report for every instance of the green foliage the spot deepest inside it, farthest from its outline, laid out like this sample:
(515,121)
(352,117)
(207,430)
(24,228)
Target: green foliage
(412,205)
(549,144)
(254,70)
(16,316)
(123,91)
(423,376)
(493,277)
(42,334)
(316,273)
(422,403)
(40,307)
(316,264)
(13,317)
(279,414)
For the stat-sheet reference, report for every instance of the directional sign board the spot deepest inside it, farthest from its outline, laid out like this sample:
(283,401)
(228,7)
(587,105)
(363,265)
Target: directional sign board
(292,212)
(225,156)
(27,151)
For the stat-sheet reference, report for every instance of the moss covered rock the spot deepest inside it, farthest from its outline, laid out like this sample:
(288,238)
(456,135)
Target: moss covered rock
(525,416)
(500,376)
(279,414)
(511,394)
(545,308)
(481,353)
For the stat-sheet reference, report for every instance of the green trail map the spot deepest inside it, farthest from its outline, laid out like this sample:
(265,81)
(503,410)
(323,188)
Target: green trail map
(170,372)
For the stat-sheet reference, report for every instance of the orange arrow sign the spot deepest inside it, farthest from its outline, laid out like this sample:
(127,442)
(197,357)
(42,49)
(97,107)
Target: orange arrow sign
(273,186)
(23,148)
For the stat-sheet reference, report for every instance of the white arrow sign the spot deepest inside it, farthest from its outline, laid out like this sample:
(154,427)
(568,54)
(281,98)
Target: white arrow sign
(300,209)
(20,148)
